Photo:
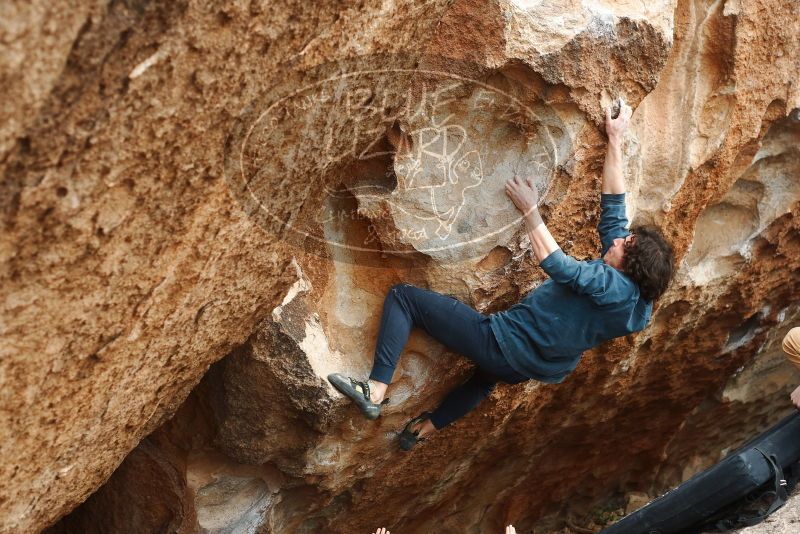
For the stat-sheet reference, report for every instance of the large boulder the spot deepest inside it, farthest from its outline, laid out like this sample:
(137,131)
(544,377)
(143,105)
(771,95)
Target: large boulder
(235,187)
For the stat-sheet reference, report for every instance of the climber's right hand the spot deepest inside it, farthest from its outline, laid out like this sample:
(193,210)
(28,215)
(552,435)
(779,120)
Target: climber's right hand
(615,128)
(796,397)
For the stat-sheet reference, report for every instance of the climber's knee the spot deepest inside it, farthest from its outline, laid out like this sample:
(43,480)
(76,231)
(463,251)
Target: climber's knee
(402,286)
(399,290)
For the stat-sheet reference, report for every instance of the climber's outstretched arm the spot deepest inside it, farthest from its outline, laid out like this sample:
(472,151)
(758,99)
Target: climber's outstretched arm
(613,181)
(525,197)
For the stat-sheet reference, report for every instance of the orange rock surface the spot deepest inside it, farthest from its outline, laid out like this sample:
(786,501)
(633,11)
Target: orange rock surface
(204,204)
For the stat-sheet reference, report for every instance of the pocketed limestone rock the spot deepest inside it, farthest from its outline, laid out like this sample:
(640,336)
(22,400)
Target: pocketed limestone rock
(164,223)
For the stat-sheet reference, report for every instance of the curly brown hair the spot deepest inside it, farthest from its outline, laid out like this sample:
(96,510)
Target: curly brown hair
(649,261)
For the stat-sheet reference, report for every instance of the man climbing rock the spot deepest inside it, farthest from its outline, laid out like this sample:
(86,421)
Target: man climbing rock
(583,304)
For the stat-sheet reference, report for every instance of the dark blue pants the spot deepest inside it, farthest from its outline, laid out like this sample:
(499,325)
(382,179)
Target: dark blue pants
(454,324)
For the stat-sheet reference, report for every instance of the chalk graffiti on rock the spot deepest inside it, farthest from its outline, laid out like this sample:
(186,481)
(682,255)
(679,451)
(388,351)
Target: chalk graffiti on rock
(408,153)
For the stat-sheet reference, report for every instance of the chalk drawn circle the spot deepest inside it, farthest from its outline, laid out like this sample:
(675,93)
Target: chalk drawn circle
(288,152)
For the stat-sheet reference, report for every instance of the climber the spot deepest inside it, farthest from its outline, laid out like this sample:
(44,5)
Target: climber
(791,346)
(583,304)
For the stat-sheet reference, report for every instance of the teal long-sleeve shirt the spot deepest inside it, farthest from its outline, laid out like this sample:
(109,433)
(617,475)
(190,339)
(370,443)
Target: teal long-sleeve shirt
(583,304)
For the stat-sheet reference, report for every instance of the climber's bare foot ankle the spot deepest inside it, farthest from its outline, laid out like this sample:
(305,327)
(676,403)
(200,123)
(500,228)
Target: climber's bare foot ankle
(377,391)
(425,428)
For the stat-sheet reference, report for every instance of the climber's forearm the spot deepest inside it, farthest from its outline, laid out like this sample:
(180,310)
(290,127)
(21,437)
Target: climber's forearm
(542,241)
(613,180)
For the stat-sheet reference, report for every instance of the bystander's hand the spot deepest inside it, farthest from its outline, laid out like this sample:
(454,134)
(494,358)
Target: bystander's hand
(796,397)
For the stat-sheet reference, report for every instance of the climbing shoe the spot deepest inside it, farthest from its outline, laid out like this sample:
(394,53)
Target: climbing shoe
(358,392)
(409,438)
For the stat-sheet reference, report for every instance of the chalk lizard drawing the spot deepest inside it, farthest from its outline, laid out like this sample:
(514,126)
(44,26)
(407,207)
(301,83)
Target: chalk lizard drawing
(438,166)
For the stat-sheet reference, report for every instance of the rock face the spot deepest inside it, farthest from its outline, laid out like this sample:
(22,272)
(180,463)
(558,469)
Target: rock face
(203,207)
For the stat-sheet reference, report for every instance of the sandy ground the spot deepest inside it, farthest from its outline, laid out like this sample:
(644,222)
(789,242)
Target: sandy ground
(783,521)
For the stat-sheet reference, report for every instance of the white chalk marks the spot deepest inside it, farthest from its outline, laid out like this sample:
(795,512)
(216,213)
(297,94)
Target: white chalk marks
(405,158)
